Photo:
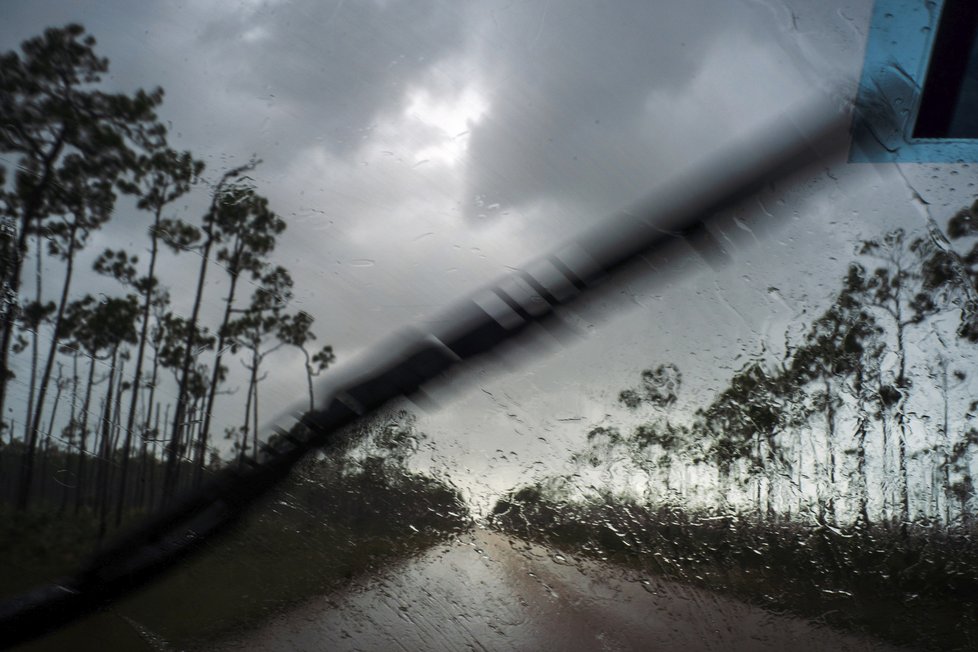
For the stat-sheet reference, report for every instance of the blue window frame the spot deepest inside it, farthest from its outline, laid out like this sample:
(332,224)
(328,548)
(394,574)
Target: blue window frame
(918,95)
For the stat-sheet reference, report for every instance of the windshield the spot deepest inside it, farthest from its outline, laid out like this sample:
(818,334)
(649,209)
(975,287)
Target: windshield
(682,299)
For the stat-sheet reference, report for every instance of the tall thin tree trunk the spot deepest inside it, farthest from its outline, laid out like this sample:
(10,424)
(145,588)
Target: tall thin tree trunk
(59,387)
(147,447)
(157,450)
(801,470)
(27,471)
(116,433)
(188,447)
(32,207)
(172,464)
(830,447)
(247,416)
(758,476)
(863,491)
(216,375)
(945,446)
(101,482)
(140,351)
(254,413)
(82,437)
(35,345)
(309,371)
(862,422)
(770,463)
(72,424)
(885,463)
(902,433)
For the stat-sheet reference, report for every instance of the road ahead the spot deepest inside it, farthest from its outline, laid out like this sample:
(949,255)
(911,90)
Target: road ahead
(486,592)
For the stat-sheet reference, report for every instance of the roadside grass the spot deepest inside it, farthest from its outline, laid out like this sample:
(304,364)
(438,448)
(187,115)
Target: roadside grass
(918,589)
(310,538)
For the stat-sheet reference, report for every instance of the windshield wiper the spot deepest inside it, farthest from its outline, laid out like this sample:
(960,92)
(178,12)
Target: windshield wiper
(689,211)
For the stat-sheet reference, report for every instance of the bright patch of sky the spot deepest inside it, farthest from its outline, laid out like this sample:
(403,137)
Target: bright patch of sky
(451,117)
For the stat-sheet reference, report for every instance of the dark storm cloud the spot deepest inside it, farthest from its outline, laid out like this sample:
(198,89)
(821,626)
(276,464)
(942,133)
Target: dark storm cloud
(334,65)
(570,95)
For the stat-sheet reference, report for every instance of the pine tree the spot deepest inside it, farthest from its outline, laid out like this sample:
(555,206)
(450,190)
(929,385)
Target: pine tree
(57,125)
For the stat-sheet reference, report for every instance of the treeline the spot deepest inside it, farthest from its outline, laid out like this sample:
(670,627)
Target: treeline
(918,589)
(117,391)
(867,416)
(833,478)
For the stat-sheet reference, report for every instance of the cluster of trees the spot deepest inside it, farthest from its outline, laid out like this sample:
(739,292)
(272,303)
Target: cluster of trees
(832,479)
(114,381)
(867,418)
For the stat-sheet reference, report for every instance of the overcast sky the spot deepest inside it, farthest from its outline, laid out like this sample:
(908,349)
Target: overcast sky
(419,149)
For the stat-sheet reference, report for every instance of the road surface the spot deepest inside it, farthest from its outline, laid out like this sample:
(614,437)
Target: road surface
(488,592)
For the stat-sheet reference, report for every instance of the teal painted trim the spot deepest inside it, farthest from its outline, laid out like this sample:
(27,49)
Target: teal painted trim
(901,36)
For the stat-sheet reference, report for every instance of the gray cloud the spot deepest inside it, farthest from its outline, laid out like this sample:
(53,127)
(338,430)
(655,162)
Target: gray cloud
(333,66)
(570,94)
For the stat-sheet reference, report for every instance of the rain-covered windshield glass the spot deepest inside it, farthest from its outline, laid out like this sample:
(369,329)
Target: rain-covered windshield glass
(432,325)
